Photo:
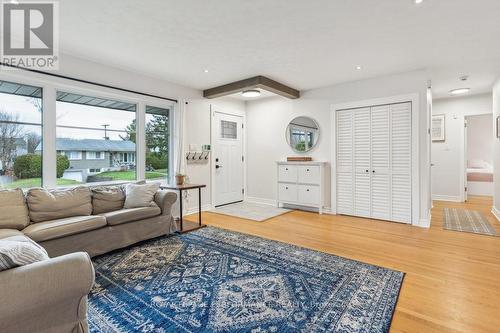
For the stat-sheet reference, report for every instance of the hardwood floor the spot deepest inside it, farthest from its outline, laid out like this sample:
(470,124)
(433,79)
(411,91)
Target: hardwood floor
(452,281)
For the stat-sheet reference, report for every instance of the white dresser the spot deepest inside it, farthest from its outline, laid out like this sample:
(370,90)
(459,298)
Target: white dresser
(302,184)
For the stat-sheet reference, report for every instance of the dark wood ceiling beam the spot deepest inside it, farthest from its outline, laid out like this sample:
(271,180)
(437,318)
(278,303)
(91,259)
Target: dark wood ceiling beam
(256,82)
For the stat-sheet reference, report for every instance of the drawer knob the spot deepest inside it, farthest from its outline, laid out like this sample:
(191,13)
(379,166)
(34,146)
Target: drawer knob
(307,190)
(307,169)
(286,169)
(286,188)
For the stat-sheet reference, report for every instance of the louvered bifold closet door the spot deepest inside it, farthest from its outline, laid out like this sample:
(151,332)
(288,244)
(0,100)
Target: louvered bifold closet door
(380,162)
(401,162)
(345,189)
(362,163)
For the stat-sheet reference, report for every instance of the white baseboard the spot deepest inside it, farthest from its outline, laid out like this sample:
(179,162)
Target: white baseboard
(439,197)
(261,201)
(495,211)
(271,202)
(193,210)
(424,223)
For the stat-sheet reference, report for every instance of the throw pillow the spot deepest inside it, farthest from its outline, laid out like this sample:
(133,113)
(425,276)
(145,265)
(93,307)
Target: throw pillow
(18,251)
(140,195)
(46,205)
(14,212)
(107,199)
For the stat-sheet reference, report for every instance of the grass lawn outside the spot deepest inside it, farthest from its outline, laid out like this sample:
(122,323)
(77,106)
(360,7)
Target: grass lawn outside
(116,175)
(130,175)
(36,182)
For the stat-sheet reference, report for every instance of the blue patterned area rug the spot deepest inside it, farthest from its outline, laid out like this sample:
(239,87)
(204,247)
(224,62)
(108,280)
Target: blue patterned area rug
(213,280)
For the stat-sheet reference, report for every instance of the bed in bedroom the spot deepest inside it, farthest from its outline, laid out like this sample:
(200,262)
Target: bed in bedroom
(479,178)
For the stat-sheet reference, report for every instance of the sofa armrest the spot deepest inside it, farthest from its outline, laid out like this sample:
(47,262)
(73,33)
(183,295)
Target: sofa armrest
(40,289)
(165,199)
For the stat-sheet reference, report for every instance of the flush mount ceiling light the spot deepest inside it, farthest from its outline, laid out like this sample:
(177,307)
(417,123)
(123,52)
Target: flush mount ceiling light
(251,93)
(459,91)
(205,71)
(359,68)
(418,2)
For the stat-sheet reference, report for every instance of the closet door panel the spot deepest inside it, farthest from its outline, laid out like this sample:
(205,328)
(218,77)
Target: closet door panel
(380,162)
(345,189)
(401,162)
(362,161)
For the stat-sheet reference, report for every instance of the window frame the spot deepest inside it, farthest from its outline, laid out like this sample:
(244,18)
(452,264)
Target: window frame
(50,86)
(102,155)
(24,123)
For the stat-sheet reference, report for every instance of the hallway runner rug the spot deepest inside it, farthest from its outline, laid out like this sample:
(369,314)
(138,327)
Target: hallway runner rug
(458,219)
(212,280)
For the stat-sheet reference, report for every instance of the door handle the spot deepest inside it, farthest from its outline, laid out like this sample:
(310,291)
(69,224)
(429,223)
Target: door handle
(373,171)
(218,166)
(367,170)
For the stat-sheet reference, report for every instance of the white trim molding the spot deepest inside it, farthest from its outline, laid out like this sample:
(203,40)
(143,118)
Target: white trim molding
(194,210)
(496,212)
(261,201)
(451,198)
(415,181)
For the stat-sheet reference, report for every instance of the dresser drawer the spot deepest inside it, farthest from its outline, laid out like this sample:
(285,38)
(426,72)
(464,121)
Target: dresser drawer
(287,173)
(287,192)
(308,194)
(309,174)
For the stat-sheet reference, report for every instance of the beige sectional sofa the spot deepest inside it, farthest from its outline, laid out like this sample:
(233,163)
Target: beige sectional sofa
(72,225)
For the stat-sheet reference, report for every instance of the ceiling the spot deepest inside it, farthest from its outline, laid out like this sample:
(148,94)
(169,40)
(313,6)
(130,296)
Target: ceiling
(303,44)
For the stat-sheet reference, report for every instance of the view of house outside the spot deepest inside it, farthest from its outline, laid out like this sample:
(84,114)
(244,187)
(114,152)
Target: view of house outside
(95,144)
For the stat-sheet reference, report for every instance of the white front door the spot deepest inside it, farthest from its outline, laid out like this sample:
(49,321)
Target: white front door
(228,158)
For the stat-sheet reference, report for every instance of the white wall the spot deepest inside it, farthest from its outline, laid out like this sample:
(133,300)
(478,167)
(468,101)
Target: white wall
(447,156)
(480,137)
(268,118)
(197,131)
(496,151)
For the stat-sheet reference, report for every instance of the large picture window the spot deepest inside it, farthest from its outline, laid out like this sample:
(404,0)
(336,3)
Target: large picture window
(157,143)
(20,135)
(96,138)
(86,138)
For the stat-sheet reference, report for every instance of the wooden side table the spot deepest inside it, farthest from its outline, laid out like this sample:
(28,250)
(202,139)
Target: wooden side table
(180,189)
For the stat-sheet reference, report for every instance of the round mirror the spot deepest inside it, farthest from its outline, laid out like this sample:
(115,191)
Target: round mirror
(302,134)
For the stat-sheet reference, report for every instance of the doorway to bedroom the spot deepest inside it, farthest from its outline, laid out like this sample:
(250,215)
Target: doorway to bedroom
(478,146)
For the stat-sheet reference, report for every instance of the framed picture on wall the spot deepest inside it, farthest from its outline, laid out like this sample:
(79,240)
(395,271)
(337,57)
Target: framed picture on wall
(437,129)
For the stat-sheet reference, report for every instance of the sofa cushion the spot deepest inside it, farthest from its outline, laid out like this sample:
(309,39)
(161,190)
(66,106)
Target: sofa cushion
(14,210)
(47,205)
(18,251)
(4,233)
(44,231)
(131,214)
(140,195)
(107,199)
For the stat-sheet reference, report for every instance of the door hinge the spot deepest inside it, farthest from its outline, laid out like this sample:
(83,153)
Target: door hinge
(466,189)
(242,158)
(242,126)
(242,191)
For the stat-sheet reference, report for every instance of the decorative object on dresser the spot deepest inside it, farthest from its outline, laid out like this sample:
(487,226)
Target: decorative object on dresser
(299,159)
(301,184)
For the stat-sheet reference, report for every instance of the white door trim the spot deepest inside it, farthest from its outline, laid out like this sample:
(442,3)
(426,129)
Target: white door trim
(214,108)
(415,110)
